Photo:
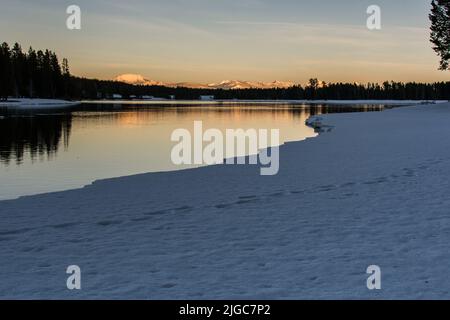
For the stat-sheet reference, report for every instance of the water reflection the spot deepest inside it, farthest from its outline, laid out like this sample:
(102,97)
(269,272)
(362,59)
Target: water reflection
(36,135)
(43,151)
(40,134)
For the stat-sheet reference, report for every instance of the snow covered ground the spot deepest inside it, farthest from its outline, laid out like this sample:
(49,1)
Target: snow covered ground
(372,191)
(385,102)
(38,103)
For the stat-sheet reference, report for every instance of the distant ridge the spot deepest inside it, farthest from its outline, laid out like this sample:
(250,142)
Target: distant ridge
(137,79)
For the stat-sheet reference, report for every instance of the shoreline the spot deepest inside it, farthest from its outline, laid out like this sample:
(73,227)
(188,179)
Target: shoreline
(89,182)
(295,102)
(62,186)
(26,103)
(366,198)
(38,103)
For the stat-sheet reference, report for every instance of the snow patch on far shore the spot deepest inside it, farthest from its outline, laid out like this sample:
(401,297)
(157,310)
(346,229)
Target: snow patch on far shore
(386,102)
(38,103)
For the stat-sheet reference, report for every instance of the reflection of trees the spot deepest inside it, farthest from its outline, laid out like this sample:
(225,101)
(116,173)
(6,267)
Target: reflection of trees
(143,113)
(40,134)
(37,135)
(325,109)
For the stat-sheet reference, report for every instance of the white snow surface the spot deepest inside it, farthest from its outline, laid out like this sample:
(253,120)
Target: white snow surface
(372,191)
(37,103)
(362,102)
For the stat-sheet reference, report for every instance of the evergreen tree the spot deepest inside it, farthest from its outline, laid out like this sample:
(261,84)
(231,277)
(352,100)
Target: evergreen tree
(39,74)
(66,77)
(440,31)
(18,62)
(32,66)
(56,75)
(5,71)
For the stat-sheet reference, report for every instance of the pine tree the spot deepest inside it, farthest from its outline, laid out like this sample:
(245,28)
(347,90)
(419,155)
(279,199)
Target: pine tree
(56,75)
(5,71)
(440,31)
(32,66)
(66,77)
(18,61)
(47,74)
(39,83)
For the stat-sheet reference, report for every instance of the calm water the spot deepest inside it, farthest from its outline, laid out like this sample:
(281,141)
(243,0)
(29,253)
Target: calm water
(52,150)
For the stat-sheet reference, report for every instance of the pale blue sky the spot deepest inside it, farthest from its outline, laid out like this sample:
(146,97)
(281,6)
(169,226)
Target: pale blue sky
(213,40)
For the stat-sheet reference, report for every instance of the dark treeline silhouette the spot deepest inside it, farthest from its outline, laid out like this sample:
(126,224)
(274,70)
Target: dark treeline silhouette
(32,74)
(95,89)
(39,74)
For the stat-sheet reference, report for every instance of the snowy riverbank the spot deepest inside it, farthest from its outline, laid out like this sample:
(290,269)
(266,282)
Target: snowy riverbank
(37,103)
(372,191)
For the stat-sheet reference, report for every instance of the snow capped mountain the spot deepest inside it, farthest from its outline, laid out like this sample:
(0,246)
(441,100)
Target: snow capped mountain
(231,84)
(282,84)
(236,84)
(130,78)
(137,79)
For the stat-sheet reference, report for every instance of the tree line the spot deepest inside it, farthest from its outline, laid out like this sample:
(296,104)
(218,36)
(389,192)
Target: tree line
(39,74)
(32,74)
(96,89)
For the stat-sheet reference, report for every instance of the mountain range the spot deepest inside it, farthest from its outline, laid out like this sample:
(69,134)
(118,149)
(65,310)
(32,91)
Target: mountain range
(137,79)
